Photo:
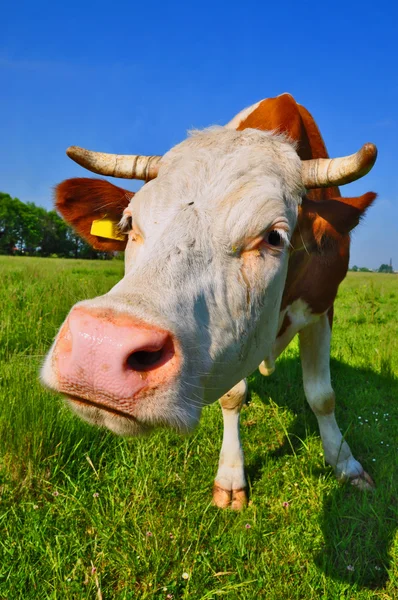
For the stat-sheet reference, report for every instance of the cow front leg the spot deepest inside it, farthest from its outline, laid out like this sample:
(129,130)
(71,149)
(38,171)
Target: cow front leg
(230,483)
(315,359)
(267,367)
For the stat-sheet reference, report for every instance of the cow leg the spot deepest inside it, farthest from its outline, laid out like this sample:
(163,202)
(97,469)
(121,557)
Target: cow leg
(315,358)
(230,483)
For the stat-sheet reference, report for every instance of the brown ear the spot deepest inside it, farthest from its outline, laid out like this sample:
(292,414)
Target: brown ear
(81,200)
(343,214)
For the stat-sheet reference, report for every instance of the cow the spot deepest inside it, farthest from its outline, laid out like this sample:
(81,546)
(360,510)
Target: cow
(238,241)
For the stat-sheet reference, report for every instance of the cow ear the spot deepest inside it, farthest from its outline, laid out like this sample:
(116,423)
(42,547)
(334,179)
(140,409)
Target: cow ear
(83,200)
(343,214)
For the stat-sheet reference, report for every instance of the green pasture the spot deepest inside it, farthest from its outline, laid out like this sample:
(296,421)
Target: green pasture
(84,514)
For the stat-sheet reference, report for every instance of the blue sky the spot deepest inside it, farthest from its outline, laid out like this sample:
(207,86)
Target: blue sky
(133,77)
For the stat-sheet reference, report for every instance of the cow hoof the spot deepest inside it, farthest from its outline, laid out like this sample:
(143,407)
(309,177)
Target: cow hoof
(266,368)
(235,499)
(239,499)
(221,498)
(363,482)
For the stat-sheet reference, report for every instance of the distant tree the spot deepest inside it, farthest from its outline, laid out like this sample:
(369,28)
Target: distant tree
(54,234)
(33,230)
(79,248)
(8,224)
(364,270)
(385,269)
(354,268)
(19,226)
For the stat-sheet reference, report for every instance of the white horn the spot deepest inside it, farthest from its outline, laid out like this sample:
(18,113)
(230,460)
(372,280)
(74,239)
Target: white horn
(326,172)
(126,166)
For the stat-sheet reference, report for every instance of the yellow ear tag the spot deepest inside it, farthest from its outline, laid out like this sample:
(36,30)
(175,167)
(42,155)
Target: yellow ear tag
(107,228)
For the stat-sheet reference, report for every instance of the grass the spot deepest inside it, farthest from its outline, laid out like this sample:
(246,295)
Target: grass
(84,514)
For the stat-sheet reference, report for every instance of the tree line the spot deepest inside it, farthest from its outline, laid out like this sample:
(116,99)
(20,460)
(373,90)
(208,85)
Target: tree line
(27,229)
(384,268)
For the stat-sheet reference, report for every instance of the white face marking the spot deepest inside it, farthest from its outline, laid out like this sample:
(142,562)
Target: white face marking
(188,269)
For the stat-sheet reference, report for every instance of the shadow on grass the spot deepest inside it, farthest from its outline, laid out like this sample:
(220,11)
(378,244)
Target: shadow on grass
(358,527)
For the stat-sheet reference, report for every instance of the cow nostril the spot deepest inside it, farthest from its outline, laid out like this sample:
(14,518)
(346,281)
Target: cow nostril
(145,360)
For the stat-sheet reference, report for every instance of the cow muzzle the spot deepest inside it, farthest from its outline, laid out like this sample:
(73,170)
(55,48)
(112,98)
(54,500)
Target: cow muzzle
(111,361)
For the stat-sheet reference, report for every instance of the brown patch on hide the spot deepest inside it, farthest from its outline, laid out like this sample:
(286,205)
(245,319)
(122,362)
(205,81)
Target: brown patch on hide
(321,242)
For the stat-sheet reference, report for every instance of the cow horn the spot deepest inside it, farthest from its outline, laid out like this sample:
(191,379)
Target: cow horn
(126,166)
(326,172)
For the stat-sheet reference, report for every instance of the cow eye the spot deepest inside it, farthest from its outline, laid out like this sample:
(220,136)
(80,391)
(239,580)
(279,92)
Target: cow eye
(129,223)
(126,224)
(274,238)
(129,227)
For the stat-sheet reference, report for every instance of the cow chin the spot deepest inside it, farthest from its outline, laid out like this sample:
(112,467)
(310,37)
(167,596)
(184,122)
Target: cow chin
(182,420)
(118,423)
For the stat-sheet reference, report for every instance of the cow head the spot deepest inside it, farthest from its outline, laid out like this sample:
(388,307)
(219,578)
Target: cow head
(206,254)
